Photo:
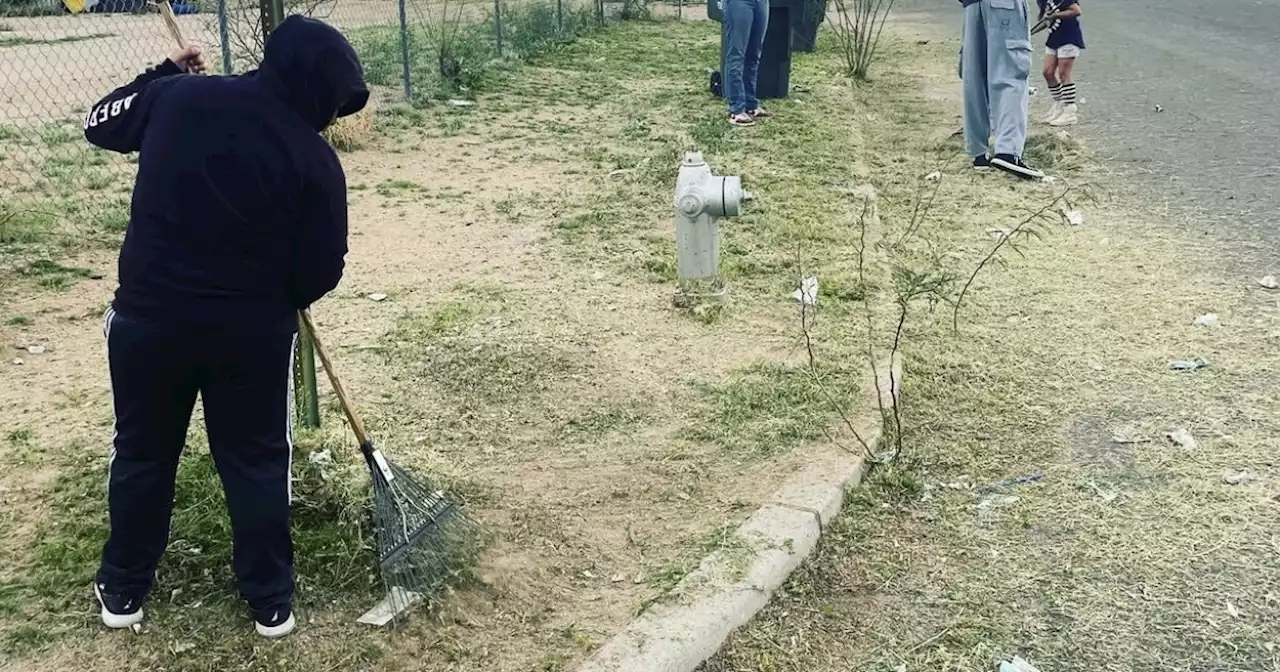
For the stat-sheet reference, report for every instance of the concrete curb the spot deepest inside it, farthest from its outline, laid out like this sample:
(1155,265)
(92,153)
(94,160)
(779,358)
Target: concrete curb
(691,622)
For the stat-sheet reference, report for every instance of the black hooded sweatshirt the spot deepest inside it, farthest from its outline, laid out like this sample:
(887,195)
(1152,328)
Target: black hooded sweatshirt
(239,213)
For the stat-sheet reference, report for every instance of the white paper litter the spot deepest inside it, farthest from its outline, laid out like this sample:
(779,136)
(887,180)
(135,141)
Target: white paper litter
(808,293)
(1208,320)
(1188,365)
(17,361)
(1238,478)
(35,349)
(377,296)
(1073,217)
(999,233)
(1269,282)
(462,103)
(1183,438)
(1017,665)
(933,177)
(397,601)
(322,458)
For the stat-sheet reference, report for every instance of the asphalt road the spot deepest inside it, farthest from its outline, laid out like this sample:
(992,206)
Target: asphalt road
(1213,153)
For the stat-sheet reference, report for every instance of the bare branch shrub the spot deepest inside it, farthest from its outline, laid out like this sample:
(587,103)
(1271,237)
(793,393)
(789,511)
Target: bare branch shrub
(857,26)
(904,276)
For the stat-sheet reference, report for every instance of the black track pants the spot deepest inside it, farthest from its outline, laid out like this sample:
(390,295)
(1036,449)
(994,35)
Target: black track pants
(244,382)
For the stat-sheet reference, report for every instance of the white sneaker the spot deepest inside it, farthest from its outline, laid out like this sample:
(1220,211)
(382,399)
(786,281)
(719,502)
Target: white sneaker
(274,625)
(1069,117)
(118,611)
(1053,112)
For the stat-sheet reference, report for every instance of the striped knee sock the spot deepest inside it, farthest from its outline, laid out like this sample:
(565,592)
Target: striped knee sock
(1069,93)
(1056,90)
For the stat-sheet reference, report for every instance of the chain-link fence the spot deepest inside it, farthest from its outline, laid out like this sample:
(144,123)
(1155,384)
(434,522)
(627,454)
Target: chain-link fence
(58,57)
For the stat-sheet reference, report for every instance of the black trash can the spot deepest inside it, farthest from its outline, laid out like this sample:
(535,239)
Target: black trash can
(806,16)
(774,80)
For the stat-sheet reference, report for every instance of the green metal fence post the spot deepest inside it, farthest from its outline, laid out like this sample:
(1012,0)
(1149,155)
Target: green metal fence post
(497,24)
(404,53)
(307,401)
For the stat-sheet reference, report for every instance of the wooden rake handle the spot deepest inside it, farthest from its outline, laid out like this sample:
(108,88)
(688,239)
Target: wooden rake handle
(304,316)
(171,22)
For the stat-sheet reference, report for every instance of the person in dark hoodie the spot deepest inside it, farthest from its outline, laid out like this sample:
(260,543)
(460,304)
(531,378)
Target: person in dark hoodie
(238,220)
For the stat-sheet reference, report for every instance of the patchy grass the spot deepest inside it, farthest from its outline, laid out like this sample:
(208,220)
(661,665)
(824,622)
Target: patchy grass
(1123,551)
(528,356)
(42,598)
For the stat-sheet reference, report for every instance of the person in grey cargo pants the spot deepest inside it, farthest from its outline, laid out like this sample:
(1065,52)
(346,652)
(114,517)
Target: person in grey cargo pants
(995,63)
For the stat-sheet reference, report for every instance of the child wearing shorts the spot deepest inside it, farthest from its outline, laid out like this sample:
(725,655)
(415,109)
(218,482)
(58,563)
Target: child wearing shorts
(1063,46)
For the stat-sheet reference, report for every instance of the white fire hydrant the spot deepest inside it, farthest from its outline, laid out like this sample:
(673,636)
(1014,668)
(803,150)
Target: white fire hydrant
(701,200)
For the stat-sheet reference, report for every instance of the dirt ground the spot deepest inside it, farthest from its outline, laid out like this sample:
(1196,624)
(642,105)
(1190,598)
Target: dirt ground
(1041,509)
(526,354)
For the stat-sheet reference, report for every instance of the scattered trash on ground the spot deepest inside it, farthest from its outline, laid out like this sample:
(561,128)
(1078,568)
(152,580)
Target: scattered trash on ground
(808,293)
(999,233)
(1183,438)
(1049,179)
(1231,609)
(17,361)
(1208,320)
(933,177)
(1018,664)
(1021,480)
(1107,496)
(180,648)
(1239,478)
(1159,108)
(1188,365)
(1072,217)
(997,501)
(377,296)
(1269,282)
(1033,90)
(35,349)
(462,103)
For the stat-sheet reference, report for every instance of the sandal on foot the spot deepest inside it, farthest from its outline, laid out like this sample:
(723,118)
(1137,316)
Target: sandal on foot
(759,113)
(742,119)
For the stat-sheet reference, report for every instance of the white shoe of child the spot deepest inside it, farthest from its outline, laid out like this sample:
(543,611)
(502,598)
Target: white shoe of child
(1069,117)
(1053,112)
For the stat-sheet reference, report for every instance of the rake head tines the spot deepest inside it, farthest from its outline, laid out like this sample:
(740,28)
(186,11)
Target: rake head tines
(426,543)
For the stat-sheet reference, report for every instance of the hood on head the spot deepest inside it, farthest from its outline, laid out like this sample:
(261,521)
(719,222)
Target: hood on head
(315,70)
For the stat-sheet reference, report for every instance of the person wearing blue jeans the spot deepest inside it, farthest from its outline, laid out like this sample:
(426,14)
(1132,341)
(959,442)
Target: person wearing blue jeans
(744,25)
(995,63)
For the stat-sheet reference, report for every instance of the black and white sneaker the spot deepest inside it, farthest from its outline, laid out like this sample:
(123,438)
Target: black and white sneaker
(982,162)
(118,611)
(1014,166)
(274,623)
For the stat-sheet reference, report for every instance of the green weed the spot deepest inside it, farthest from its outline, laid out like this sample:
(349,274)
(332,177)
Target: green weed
(761,411)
